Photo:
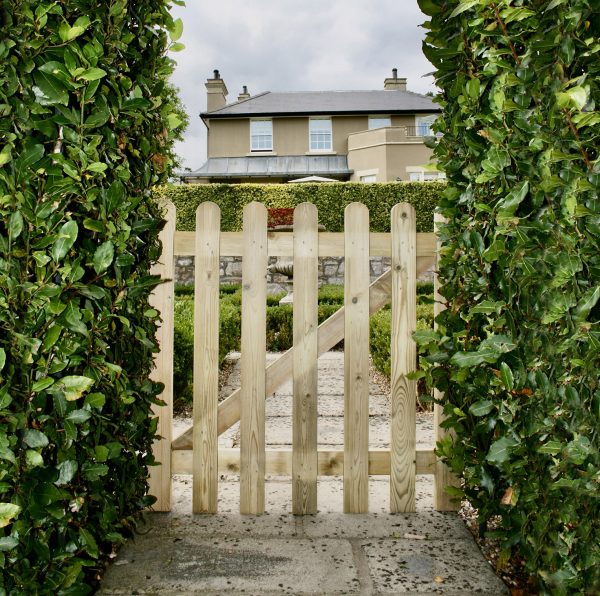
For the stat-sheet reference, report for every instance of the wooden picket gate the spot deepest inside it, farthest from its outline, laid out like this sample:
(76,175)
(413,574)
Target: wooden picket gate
(196,451)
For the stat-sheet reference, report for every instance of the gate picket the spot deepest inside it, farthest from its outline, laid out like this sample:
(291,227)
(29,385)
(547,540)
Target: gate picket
(404,359)
(306,286)
(356,359)
(254,358)
(206,359)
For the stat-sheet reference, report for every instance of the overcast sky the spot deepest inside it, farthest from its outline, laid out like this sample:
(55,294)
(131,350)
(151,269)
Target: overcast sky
(293,45)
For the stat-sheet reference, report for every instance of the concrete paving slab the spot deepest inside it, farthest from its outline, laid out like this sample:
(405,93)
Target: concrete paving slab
(431,566)
(233,564)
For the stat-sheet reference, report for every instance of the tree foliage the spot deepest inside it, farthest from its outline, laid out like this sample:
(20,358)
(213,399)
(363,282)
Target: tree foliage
(85,132)
(518,349)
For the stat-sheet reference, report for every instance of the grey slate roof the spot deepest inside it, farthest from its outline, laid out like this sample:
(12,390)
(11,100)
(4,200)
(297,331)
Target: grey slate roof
(328,102)
(273,167)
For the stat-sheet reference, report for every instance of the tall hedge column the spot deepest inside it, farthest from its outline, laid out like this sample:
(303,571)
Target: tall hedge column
(84,135)
(518,347)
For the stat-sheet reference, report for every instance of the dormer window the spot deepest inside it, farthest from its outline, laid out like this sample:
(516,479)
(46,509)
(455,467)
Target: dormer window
(320,134)
(261,135)
(379,122)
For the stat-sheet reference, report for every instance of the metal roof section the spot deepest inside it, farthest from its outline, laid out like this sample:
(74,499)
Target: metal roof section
(293,103)
(272,167)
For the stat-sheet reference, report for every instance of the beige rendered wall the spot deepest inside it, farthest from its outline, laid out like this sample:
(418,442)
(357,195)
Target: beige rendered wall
(390,161)
(228,138)
(290,136)
(401,156)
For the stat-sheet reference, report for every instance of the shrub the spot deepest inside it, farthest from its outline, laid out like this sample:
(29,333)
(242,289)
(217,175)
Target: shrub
(330,199)
(85,107)
(518,350)
(380,338)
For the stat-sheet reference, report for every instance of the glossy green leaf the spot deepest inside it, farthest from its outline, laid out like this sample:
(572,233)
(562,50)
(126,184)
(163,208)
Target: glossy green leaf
(74,386)
(103,257)
(66,238)
(8,512)
(34,438)
(66,472)
(481,408)
(500,450)
(51,91)
(33,458)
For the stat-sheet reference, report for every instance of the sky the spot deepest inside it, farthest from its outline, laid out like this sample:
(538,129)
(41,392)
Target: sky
(293,45)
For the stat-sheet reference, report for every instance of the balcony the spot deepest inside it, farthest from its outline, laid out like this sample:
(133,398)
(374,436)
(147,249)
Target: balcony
(391,135)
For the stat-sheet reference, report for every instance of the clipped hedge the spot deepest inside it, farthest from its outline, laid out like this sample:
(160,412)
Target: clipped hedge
(517,354)
(330,199)
(84,135)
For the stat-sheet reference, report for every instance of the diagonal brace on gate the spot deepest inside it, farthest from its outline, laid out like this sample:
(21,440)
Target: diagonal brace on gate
(330,332)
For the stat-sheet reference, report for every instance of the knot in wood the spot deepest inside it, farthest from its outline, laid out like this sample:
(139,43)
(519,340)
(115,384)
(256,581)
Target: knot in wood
(354,300)
(404,215)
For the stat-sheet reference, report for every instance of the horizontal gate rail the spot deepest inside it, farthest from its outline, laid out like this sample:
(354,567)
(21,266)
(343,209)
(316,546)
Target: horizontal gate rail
(330,462)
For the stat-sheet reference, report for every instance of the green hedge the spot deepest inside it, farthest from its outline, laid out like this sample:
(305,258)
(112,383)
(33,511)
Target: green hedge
(381,328)
(518,350)
(84,136)
(330,199)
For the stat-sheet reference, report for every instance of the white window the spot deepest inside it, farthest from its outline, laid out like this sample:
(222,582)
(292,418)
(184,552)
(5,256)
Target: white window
(369,178)
(424,124)
(320,134)
(261,135)
(379,122)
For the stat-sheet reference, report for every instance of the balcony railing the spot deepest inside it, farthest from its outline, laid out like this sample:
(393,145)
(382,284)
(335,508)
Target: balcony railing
(422,130)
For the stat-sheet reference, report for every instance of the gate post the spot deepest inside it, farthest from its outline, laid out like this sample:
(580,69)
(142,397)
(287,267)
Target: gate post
(404,358)
(162,299)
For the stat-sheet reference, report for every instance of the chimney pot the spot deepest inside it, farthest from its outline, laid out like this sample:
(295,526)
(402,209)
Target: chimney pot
(216,74)
(395,73)
(245,89)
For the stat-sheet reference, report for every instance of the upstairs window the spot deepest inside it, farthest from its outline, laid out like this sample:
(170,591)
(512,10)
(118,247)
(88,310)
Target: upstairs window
(424,124)
(320,134)
(261,135)
(379,122)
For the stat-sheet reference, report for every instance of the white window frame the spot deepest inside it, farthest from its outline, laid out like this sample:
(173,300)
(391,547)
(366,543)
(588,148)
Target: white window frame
(261,140)
(368,178)
(319,136)
(374,119)
(423,125)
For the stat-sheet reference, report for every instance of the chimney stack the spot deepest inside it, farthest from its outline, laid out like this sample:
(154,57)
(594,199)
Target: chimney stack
(244,94)
(216,92)
(395,83)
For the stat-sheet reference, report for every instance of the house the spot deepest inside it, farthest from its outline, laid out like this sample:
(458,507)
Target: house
(368,136)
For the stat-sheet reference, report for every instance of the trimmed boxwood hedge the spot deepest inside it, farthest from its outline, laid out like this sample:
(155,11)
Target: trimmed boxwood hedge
(330,199)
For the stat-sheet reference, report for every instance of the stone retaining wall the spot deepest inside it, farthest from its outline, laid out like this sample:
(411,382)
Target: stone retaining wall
(331,271)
